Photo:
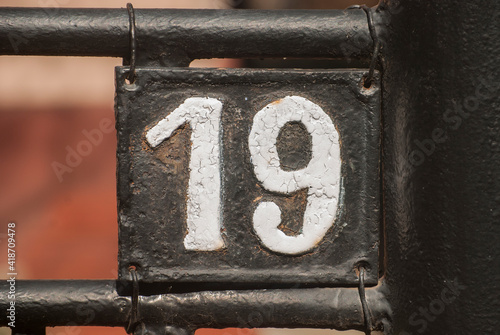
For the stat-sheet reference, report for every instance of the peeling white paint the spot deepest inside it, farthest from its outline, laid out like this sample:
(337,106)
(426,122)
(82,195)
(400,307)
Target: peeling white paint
(321,176)
(204,190)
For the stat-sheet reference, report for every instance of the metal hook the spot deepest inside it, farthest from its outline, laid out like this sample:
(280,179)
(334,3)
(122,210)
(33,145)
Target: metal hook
(134,312)
(376,42)
(364,304)
(133,44)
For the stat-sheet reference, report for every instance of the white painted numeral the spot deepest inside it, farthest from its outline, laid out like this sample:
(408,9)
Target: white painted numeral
(204,189)
(321,176)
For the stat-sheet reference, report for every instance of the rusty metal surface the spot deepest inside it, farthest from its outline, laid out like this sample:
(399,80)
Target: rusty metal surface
(152,182)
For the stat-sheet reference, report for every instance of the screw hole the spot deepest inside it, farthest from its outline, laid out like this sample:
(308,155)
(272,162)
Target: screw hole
(361,264)
(367,83)
(130,84)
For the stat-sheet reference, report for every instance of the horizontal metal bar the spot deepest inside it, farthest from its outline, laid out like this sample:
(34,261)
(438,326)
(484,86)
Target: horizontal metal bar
(176,36)
(97,303)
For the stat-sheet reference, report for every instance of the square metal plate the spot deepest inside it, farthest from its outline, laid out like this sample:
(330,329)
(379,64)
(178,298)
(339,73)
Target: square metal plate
(248,176)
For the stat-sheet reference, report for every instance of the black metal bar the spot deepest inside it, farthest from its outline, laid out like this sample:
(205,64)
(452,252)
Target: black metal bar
(176,36)
(97,303)
(441,112)
(29,331)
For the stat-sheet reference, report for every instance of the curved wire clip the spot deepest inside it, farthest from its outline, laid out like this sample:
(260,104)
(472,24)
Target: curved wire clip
(133,43)
(364,304)
(134,312)
(376,42)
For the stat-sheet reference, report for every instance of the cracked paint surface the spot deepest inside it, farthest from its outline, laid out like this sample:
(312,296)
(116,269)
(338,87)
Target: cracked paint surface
(321,176)
(153,182)
(204,209)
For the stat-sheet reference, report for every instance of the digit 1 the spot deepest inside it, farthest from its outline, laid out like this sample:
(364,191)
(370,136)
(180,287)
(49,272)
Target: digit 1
(321,176)
(204,189)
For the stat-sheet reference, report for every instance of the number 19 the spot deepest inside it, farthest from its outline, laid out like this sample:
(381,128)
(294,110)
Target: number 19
(321,176)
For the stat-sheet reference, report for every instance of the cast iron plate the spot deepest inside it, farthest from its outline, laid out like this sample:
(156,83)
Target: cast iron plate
(152,182)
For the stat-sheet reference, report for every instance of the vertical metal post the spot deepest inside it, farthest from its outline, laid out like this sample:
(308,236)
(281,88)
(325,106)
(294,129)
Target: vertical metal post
(441,165)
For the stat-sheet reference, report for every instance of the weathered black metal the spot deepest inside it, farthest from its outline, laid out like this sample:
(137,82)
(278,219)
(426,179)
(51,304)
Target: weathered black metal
(41,303)
(441,159)
(169,37)
(152,183)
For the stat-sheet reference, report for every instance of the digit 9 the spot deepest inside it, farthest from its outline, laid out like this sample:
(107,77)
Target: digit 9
(321,176)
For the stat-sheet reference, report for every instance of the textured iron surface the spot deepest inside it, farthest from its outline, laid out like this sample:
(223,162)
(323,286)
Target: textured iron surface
(152,183)
(43,303)
(169,37)
(442,203)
